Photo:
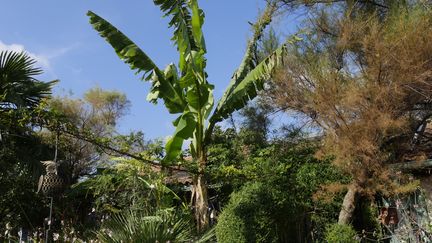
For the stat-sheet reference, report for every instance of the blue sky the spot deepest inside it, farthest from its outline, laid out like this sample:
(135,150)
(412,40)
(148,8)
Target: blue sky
(58,35)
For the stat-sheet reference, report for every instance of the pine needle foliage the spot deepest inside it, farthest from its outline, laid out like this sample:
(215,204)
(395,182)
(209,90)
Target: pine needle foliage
(364,78)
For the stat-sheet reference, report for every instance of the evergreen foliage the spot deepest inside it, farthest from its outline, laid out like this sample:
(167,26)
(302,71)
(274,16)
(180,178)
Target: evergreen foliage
(273,187)
(341,233)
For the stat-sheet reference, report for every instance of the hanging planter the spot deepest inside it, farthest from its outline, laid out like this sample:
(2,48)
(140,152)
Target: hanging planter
(50,184)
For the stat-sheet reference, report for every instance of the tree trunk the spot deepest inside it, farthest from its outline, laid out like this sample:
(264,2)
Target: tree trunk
(348,205)
(409,166)
(201,203)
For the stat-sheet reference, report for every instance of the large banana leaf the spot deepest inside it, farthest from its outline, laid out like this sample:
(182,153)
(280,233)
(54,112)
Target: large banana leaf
(185,126)
(131,54)
(247,62)
(246,89)
(181,21)
(249,78)
(126,49)
(197,22)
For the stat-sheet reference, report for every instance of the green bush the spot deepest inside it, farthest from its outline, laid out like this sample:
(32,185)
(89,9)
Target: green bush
(248,216)
(340,233)
(275,207)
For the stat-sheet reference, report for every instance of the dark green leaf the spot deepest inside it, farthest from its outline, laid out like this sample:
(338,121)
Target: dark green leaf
(185,127)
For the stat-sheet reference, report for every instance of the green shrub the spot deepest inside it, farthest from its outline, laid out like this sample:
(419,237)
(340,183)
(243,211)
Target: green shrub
(340,233)
(275,207)
(248,216)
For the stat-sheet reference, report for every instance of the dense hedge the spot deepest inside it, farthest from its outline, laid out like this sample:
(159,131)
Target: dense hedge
(341,233)
(248,216)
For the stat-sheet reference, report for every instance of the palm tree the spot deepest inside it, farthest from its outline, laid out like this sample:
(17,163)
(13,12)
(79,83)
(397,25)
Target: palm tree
(160,226)
(185,90)
(18,86)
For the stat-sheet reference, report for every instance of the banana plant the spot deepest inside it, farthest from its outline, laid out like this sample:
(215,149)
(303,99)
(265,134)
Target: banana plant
(184,88)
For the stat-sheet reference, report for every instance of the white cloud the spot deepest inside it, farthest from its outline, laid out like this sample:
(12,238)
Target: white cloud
(41,59)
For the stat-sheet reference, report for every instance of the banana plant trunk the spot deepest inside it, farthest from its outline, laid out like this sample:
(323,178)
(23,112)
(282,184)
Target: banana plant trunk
(201,201)
(349,204)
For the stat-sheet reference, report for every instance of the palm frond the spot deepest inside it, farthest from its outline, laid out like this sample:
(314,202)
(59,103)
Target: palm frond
(162,226)
(18,85)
